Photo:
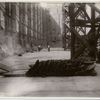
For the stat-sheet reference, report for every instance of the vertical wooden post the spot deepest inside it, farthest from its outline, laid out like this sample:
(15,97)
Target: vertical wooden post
(93,38)
(64,29)
(72,25)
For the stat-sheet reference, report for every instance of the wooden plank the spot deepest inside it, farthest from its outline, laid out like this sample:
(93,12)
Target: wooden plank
(5,67)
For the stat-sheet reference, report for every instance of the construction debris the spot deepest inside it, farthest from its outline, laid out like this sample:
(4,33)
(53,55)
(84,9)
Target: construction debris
(62,68)
(4,69)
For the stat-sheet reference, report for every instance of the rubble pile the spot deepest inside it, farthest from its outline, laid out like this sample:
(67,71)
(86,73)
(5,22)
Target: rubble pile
(62,68)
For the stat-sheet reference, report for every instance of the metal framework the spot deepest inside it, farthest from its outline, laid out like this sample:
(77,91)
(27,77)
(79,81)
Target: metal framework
(82,29)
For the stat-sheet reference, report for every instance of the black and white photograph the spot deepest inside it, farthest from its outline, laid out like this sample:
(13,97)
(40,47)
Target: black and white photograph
(49,49)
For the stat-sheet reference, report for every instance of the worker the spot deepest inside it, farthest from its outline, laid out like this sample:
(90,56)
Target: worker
(39,47)
(48,47)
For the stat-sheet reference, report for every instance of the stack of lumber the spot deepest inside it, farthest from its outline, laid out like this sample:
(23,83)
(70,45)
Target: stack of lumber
(62,68)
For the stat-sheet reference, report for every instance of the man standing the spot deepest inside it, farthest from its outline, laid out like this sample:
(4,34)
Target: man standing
(49,48)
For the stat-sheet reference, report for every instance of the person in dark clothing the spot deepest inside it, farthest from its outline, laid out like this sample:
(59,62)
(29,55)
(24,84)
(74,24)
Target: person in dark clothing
(39,47)
(48,47)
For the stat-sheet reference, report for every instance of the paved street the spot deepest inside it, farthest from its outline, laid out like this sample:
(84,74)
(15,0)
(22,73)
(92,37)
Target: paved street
(88,86)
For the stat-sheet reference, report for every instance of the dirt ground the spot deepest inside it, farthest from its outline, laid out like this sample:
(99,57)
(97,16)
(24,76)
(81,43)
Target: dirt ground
(87,86)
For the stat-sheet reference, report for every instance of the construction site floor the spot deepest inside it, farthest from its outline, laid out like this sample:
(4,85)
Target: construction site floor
(87,86)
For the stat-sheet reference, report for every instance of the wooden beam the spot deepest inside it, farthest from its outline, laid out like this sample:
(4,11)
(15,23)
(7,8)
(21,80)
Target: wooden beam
(82,40)
(93,31)
(64,10)
(76,13)
(86,14)
(72,25)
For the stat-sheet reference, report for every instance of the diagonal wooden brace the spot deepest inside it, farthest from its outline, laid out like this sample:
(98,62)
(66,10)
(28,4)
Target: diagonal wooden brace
(82,40)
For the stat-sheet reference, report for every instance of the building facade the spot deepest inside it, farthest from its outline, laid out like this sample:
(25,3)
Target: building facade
(24,26)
